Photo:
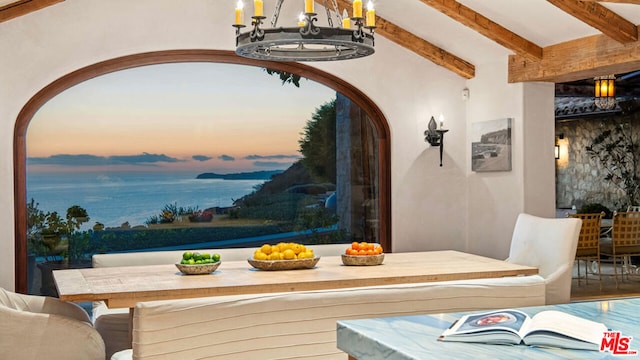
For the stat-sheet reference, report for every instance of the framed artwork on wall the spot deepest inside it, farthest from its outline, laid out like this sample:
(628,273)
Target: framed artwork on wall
(491,145)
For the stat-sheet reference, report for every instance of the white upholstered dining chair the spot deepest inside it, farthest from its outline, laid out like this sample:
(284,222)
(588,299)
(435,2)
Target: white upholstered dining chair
(550,245)
(40,327)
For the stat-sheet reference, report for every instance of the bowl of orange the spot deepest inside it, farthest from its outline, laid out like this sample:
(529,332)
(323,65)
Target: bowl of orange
(363,254)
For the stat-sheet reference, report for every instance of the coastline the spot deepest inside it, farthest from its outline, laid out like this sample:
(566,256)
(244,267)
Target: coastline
(116,199)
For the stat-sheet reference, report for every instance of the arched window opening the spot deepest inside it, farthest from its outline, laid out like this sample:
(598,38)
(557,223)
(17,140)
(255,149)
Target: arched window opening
(313,198)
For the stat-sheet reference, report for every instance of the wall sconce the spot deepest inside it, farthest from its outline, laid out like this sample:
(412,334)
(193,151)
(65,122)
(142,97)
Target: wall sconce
(434,135)
(557,146)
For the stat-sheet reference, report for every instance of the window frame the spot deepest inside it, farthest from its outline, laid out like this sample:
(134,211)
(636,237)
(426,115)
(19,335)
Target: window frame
(173,56)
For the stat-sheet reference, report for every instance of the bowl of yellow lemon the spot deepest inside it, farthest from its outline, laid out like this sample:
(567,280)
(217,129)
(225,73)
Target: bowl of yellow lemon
(283,256)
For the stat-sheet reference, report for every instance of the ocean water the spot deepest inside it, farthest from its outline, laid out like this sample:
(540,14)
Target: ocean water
(116,198)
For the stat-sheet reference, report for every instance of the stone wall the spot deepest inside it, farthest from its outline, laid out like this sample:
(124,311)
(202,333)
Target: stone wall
(579,179)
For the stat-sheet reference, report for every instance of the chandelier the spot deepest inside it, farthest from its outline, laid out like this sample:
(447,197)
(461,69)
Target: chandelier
(605,91)
(353,38)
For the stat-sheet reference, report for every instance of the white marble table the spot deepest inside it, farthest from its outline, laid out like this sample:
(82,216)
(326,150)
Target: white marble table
(415,337)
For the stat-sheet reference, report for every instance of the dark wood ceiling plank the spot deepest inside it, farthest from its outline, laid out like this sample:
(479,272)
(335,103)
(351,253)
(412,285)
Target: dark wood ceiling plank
(487,27)
(636,2)
(19,8)
(416,44)
(577,59)
(601,18)
(11,4)
(425,49)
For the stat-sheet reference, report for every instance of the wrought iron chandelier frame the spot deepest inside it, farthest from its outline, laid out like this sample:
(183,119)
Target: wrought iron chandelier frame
(307,42)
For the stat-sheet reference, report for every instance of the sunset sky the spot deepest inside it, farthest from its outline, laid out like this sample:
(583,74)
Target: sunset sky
(175,117)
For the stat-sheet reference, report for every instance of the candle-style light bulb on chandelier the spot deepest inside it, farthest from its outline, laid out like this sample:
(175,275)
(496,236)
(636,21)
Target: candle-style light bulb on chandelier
(605,92)
(352,38)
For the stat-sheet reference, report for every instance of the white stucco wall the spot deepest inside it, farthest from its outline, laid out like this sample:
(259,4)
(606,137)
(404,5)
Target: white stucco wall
(496,198)
(433,207)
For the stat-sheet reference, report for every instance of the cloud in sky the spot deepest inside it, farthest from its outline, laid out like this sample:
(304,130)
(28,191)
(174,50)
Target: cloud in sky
(197,109)
(148,159)
(271,157)
(224,157)
(92,160)
(201,157)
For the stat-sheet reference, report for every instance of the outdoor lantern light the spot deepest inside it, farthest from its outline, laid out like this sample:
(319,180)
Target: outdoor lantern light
(306,41)
(434,135)
(605,91)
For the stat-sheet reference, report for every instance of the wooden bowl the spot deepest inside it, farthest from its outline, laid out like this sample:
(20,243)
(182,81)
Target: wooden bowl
(284,264)
(198,269)
(362,260)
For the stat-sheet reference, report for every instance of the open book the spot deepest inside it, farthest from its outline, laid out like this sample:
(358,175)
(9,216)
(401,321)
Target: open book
(547,328)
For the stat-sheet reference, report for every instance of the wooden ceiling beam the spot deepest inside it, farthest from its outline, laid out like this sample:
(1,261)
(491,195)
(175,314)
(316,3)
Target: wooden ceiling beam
(487,27)
(416,44)
(577,59)
(601,18)
(425,49)
(636,2)
(23,7)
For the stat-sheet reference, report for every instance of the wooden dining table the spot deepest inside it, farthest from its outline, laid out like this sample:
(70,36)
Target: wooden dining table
(122,287)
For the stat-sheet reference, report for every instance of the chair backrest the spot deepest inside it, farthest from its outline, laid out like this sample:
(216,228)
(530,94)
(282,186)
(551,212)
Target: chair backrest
(633,208)
(34,329)
(589,239)
(626,229)
(42,305)
(550,245)
(302,324)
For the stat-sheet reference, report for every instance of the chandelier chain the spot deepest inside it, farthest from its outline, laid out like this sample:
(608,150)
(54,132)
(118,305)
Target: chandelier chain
(276,13)
(337,11)
(326,8)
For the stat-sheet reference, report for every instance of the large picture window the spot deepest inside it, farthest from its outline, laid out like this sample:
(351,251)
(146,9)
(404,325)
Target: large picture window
(198,154)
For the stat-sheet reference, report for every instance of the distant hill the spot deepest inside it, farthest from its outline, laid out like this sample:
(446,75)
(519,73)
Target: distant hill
(254,175)
(296,174)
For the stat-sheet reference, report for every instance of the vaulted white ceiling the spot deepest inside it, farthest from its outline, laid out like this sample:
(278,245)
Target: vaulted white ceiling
(545,40)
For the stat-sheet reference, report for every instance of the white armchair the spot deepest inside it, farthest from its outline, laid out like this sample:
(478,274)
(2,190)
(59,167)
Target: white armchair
(550,245)
(39,327)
